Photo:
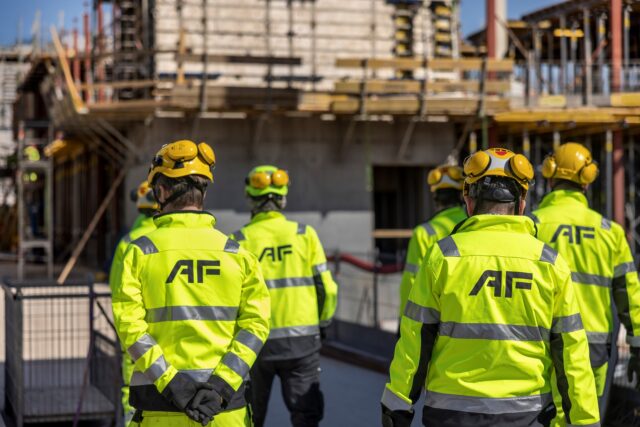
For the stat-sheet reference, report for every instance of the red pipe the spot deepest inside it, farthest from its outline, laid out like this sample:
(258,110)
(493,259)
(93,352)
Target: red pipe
(366,265)
(616,44)
(618,177)
(87,54)
(76,56)
(99,46)
(491,29)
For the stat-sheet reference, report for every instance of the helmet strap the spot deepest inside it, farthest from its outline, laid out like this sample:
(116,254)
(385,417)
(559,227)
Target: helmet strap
(267,203)
(182,188)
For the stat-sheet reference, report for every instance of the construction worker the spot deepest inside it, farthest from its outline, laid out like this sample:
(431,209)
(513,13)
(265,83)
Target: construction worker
(192,308)
(445,182)
(598,255)
(147,207)
(303,299)
(491,311)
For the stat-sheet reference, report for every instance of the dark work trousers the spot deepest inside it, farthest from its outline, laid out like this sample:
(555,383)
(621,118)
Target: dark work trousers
(300,380)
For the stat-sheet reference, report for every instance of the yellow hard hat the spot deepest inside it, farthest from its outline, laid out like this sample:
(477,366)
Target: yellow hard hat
(145,198)
(497,162)
(183,158)
(267,179)
(571,161)
(445,176)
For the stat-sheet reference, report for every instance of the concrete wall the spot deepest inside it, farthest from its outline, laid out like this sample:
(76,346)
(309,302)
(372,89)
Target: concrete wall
(329,190)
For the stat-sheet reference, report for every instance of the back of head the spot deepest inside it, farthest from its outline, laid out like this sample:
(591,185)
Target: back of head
(266,187)
(445,182)
(570,163)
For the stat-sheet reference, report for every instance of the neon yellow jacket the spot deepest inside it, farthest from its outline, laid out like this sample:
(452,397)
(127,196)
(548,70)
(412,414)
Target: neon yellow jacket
(191,300)
(492,310)
(599,257)
(303,292)
(424,236)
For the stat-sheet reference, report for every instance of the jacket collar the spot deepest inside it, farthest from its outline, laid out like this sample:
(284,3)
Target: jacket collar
(185,219)
(557,197)
(509,223)
(262,216)
(448,211)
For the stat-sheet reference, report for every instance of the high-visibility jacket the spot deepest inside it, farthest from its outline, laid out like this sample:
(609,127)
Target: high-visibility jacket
(424,236)
(491,311)
(303,292)
(600,260)
(190,300)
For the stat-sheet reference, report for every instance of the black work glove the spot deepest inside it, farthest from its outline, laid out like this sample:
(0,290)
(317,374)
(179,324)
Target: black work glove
(205,405)
(634,366)
(180,390)
(396,418)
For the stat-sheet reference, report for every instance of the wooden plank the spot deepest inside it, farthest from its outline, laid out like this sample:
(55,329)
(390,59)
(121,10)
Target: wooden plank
(629,99)
(439,64)
(460,106)
(413,86)
(383,233)
(240,59)
(133,84)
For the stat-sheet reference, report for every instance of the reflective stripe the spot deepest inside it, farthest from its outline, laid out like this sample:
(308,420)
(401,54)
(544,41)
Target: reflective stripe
(590,279)
(393,402)
(487,405)
(421,314)
(238,236)
(289,282)
(411,268)
(199,375)
(567,324)
(598,337)
(156,369)
(622,269)
(247,338)
(548,254)
(294,331)
(302,228)
(232,246)
(429,229)
(584,425)
(169,314)
(140,347)
(633,341)
(493,331)
(606,224)
(127,239)
(236,364)
(146,245)
(534,218)
(320,268)
(448,247)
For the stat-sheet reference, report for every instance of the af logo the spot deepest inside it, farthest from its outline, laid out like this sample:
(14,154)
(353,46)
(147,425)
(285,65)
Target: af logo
(202,267)
(276,253)
(575,234)
(495,279)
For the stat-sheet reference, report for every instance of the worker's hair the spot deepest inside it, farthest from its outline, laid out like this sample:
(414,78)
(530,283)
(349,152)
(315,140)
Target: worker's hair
(267,203)
(192,187)
(448,197)
(495,208)
(565,184)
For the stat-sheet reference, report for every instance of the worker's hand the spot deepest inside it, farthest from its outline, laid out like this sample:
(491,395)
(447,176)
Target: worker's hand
(634,366)
(206,404)
(396,418)
(180,390)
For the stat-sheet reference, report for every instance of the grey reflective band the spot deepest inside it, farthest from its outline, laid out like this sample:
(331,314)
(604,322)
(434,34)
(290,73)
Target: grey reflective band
(294,331)
(156,369)
(493,331)
(548,254)
(605,224)
(289,282)
(429,229)
(320,268)
(199,375)
(393,402)
(247,338)
(232,246)
(448,247)
(633,341)
(590,279)
(599,337)
(622,269)
(140,347)
(302,228)
(146,245)
(187,312)
(566,324)
(411,268)
(584,425)
(236,364)
(127,238)
(534,218)
(487,405)
(421,314)
(238,236)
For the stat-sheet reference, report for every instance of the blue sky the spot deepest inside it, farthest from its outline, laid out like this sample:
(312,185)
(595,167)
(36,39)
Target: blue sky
(16,11)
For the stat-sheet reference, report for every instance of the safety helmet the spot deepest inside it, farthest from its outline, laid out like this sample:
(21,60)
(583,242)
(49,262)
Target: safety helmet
(445,176)
(571,161)
(498,162)
(267,179)
(145,198)
(183,158)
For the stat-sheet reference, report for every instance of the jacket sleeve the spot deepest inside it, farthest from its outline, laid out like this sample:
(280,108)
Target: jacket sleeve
(570,355)
(129,316)
(626,288)
(418,331)
(415,254)
(118,256)
(326,287)
(252,329)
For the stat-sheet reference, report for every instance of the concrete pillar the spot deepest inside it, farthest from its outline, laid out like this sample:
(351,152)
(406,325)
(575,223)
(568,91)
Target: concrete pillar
(616,44)
(618,177)
(563,57)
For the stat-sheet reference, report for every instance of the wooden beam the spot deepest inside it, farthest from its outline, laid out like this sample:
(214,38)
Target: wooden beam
(438,64)
(456,106)
(386,233)
(240,59)
(66,71)
(414,86)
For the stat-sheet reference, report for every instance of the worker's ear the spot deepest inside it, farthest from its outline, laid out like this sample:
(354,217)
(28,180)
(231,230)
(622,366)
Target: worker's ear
(523,205)
(470,204)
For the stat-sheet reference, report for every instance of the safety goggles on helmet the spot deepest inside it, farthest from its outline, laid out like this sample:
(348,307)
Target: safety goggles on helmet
(183,158)
(497,162)
(267,180)
(445,176)
(572,162)
(145,198)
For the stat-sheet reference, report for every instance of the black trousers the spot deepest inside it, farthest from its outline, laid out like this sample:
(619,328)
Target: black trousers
(300,380)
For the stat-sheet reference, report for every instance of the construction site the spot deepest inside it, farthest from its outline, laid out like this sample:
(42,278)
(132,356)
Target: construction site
(357,100)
